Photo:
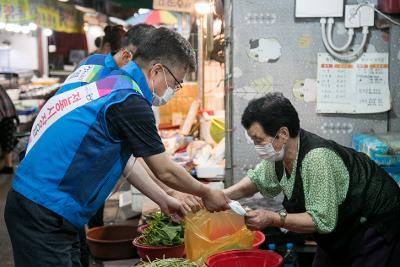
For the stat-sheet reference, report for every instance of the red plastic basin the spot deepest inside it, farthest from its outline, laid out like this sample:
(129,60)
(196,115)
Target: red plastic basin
(159,252)
(258,239)
(240,258)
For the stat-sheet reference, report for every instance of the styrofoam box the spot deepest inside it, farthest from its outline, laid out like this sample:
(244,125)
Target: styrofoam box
(319,8)
(137,199)
(13,93)
(215,185)
(210,171)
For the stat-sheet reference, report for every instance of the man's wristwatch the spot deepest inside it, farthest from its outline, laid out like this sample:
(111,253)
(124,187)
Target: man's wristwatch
(282,215)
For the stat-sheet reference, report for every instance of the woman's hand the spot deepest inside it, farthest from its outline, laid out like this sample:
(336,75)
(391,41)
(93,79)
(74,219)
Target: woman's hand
(260,219)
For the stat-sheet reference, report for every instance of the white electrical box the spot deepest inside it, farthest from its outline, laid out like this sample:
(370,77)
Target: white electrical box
(319,8)
(358,16)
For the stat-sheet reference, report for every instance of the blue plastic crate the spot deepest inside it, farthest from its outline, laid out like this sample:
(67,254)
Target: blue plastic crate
(377,149)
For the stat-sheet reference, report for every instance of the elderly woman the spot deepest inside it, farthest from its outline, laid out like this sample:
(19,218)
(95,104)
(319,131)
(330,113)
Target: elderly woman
(350,204)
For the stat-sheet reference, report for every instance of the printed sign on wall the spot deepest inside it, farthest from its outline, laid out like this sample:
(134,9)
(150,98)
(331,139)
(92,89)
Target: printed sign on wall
(356,87)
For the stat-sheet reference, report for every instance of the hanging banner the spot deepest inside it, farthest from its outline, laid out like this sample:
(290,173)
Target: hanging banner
(15,11)
(45,13)
(59,17)
(174,5)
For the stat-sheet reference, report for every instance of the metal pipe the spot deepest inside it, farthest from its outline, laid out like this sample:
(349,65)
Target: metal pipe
(200,54)
(228,14)
(394,80)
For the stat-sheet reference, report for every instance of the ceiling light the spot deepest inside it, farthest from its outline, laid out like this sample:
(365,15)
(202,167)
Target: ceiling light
(47,32)
(96,31)
(11,27)
(25,29)
(32,26)
(85,9)
(202,7)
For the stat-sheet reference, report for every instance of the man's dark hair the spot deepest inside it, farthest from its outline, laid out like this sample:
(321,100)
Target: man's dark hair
(113,35)
(97,42)
(137,35)
(168,48)
(272,111)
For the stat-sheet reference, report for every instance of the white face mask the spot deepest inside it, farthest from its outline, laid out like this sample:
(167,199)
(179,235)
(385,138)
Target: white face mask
(268,152)
(168,94)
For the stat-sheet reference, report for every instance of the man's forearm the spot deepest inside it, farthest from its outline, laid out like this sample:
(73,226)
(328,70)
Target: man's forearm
(139,178)
(175,176)
(163,186)
(188,184)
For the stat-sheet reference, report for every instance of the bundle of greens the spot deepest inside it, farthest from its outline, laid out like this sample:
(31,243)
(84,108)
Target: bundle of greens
(172,262)
(162,231)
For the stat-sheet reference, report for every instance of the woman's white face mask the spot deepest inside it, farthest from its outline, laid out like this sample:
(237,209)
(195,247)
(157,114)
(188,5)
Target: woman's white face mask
(168,93)
(268,152)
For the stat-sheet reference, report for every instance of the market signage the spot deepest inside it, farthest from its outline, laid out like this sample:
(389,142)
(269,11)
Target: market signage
(174,5)
(45,13)
(16,11)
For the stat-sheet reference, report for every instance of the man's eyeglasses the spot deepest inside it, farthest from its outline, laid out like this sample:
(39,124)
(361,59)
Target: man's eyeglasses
(178,84)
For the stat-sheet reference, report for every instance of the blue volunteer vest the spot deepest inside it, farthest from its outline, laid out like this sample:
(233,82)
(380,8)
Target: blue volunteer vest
(93,68)
(75,164)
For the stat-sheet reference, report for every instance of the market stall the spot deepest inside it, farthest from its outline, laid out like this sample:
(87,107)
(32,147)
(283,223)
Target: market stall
(285,191)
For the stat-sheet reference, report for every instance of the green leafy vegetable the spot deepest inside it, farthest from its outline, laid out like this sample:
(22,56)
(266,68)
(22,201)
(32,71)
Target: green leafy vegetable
(162,231)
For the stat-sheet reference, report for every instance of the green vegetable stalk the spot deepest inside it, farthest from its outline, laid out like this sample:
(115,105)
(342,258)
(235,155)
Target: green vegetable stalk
(172,262)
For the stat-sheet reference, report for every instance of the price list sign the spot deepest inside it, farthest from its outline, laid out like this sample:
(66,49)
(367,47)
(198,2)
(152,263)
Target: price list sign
(356,87)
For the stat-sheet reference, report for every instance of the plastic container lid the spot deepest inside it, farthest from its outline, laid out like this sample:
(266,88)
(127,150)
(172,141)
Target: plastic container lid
(289,246)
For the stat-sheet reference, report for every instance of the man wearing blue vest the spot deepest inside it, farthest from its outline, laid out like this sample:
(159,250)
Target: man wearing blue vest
(79,146)
(120,50)
(96,67)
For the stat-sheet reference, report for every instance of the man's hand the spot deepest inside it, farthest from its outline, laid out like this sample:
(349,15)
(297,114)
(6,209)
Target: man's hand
(260,219)
(215,200)
(189,202)
(173,208)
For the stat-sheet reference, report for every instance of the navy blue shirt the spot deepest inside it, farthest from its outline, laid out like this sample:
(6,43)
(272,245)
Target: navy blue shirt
(133,121)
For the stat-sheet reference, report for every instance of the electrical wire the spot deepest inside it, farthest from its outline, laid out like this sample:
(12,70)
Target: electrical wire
(350,33)
(345,57)
(377,11)
(387,17)
(327,36)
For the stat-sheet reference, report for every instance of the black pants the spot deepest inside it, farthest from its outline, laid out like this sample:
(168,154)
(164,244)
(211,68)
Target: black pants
(375,251)
(97,219)
(39,236)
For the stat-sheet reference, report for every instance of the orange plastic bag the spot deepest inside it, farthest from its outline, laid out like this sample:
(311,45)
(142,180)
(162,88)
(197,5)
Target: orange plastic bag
(208,233)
